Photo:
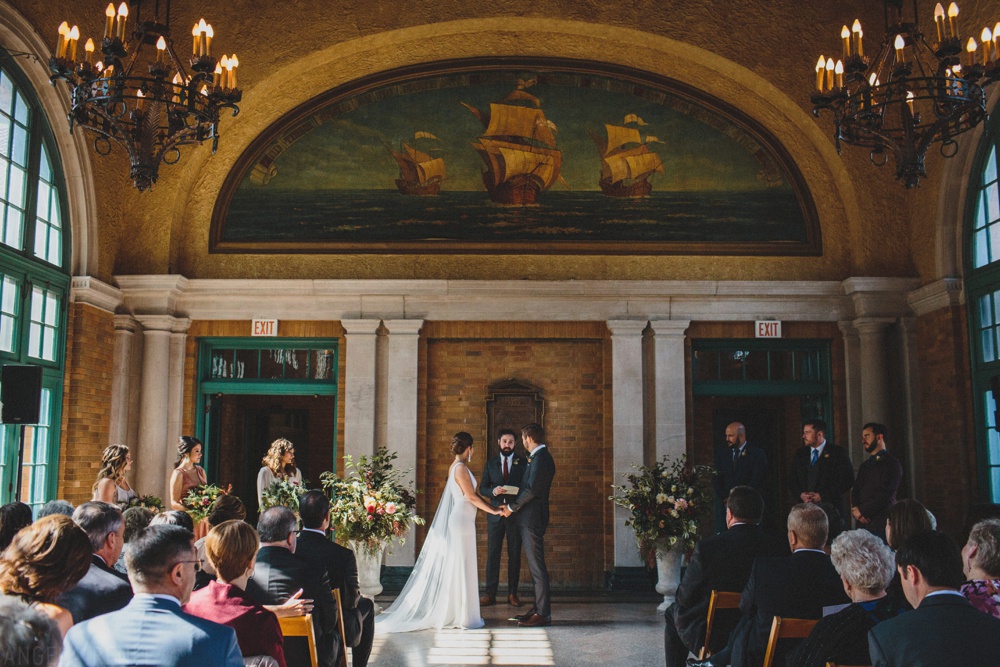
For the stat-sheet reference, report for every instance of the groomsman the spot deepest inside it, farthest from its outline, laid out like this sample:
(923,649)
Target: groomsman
(741,464)
(878,480)
(821,471)
(504,470)
(532,508)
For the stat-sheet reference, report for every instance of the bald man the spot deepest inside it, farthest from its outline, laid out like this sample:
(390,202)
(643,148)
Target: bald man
(739,464)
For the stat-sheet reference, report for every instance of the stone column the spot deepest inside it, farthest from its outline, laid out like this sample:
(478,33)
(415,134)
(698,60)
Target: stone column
(359,381)
(874,385)
(670,387)
(910,383)
(153,462)
(852,373)
(175,388)
(626,374)
(121,385)
(403,339)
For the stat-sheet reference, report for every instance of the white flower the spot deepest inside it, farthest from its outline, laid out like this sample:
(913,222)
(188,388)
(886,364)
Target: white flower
(661,498)
(673,487)
(674,513)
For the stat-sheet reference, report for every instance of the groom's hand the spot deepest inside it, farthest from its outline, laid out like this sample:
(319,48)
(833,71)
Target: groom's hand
(505,511)
(497,491)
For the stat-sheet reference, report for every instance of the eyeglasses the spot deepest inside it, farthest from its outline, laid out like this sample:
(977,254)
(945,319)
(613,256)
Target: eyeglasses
(197,563)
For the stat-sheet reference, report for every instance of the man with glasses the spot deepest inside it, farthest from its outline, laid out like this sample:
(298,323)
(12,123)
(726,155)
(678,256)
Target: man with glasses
(152,629)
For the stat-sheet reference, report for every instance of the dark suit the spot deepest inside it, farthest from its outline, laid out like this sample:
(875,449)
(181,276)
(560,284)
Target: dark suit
(796,586)
(875,489)
(102,590)
(750,469)
(277,575)
(834,476)
(341,568)
(498,527)
(721,562)
(532,509)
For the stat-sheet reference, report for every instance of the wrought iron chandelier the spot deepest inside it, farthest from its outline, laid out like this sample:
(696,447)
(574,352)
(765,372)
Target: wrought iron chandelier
(910,94)
(140,95)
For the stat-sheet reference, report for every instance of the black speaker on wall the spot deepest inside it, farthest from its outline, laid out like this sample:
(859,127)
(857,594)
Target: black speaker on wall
(21,394)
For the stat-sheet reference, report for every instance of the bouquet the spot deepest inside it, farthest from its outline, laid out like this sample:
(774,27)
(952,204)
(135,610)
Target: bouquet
(198,501)
(371,505)
(666,501)
(283,492)
(152,503)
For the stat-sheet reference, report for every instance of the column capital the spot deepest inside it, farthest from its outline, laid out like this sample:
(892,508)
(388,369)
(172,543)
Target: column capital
(403,327)
(626,327)
(125,323)
(873,325)
(847,328)
(669,327)
(360,326)
(85,289)
(164,323)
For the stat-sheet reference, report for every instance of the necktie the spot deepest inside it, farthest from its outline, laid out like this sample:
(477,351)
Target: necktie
(736,457)
(815,457)
(506,470)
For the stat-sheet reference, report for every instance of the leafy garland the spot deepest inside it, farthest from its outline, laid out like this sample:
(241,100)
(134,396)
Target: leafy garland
(285,493)
(152,503)
(198,501)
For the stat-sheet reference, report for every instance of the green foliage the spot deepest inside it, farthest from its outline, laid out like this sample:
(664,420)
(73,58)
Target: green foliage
(152,503)
(198,501)
(283,492)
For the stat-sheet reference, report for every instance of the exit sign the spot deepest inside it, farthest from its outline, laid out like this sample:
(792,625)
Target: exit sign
(768,328)
(265,328)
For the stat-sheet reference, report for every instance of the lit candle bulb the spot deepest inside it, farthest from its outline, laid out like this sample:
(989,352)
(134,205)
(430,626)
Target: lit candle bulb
(830,66)
(177,81)
(196,37)
(122,16)
(63,38)
(856,30)
(224,72)
(234,63)
(838,72)
(74,38)
(202,27)
(109,25)
(88,48)
(209,34)
(140,101)
(939,21)
(820,71)
(204,91)
(900,43)
(996,41)
(217,77)
(99,67)
(987,39)
(845,34)
(161,47)
(970,50)
(909,100)
(953,20)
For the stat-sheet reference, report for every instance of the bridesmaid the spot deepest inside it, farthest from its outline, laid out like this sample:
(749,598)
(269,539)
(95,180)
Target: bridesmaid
(187,474)
(111,485)
(279,463)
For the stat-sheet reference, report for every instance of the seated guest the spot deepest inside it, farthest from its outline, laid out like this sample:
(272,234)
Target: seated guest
(981,561)
(45,560)
(943,628)
(834,520)
(152,629)
(63,507)
(226,508)
(721,562)
(135,518)
(174,518)
(27,631)
(865,565)
(279,575)
(102,589)
(13,517)
(796,586)
(906,517)
(232,548)
(342,569)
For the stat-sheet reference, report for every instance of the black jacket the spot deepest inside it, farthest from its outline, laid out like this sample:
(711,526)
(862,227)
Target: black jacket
(750,470)
(493,477)
(341,568)
(835,478)
(532,502)
(842,638)
(875,489)
(101,591)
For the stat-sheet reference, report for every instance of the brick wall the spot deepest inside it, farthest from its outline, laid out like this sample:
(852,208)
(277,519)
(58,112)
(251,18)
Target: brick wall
(569,362)
(86,418)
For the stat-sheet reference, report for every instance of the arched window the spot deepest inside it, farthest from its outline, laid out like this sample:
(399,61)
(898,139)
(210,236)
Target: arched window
(34,280)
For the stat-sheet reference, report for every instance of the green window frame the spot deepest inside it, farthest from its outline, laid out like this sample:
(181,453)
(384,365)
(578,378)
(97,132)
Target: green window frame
(34,280)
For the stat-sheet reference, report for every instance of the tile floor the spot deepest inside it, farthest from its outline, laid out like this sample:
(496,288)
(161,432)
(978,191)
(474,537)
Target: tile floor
(584,633)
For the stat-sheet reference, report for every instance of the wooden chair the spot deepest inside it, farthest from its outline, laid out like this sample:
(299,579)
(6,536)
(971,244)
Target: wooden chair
(301,626)
(340,627)
(786,628)
(718,600)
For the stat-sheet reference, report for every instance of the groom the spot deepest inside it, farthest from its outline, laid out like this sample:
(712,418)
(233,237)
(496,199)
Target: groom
(532,507)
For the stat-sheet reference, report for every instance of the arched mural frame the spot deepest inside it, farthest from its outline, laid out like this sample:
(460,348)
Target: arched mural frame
(304,117)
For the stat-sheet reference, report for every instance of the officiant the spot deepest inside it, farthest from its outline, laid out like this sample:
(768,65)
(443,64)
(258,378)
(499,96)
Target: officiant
(499,483)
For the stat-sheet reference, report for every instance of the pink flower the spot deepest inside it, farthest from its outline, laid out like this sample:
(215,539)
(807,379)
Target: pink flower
(681,504)
(390,508)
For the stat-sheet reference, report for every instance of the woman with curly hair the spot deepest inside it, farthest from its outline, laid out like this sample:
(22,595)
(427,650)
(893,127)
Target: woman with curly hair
(46,559)
(111,486)
(187,474)
(279,464)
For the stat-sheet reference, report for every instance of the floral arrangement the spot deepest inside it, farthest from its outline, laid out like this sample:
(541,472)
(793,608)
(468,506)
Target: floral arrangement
(152,503)
(370,505)
(198,501)
(666,501)
(284,492)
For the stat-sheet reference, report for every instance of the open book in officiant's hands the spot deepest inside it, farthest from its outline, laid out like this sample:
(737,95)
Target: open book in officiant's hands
(508,490)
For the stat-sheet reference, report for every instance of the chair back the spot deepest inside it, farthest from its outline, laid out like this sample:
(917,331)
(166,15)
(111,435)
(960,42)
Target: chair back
(301,626)
(340,627)
(718,600)
(786,628)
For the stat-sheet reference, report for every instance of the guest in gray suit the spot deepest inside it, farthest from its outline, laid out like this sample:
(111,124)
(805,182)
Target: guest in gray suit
(152,629)
(943,628)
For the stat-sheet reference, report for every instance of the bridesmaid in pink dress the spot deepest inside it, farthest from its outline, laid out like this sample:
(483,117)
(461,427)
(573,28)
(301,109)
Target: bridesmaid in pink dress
(188,474)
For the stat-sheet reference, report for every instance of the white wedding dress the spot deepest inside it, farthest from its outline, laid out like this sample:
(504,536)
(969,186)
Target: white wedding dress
(443,590)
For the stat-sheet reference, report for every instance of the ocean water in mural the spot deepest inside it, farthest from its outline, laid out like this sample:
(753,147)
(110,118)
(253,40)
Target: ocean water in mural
(537,159)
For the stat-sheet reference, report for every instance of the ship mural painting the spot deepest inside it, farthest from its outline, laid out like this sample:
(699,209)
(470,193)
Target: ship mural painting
(626,161)
(419,173)
(518,147)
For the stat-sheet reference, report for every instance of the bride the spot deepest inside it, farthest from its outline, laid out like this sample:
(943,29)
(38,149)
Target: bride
(443,590)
